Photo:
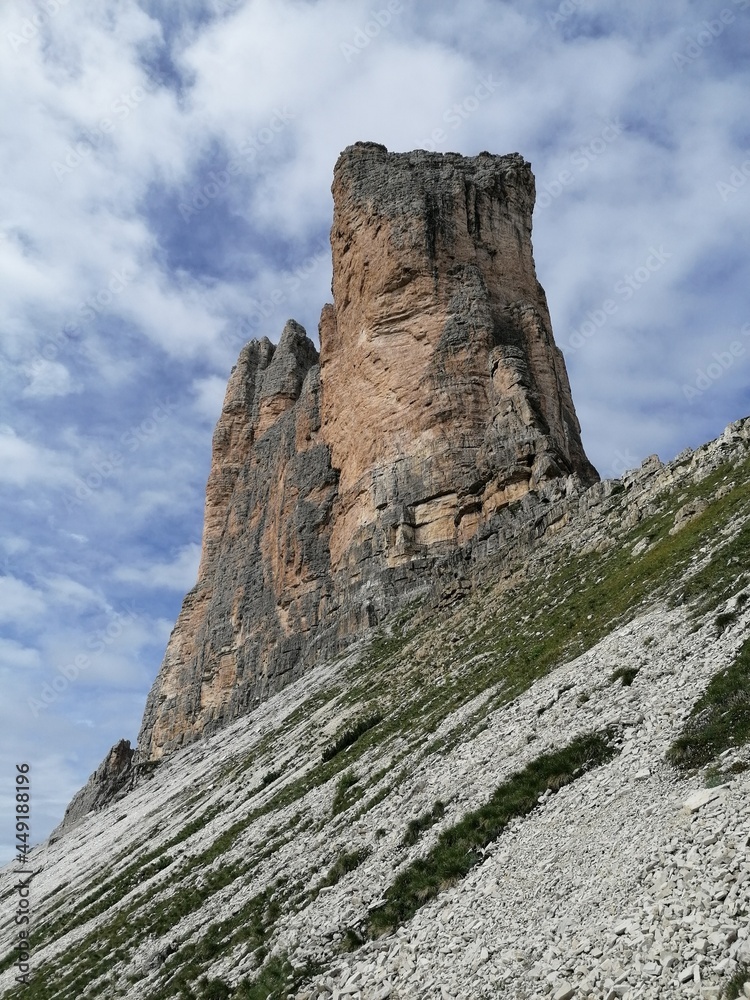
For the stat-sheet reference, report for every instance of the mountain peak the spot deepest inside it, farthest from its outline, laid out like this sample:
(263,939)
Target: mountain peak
(341,483)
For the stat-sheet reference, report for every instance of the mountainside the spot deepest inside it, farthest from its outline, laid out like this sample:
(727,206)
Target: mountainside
(444,716)
(504,796)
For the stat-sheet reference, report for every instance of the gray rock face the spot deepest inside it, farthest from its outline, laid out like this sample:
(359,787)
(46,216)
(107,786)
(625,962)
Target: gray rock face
(112,779)
(264,575)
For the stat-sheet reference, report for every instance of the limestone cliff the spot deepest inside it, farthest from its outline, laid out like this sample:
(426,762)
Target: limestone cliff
(441,335)
(263,577)
(339,483)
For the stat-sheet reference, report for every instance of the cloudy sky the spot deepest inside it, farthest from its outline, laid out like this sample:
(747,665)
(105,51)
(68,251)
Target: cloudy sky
(165,196)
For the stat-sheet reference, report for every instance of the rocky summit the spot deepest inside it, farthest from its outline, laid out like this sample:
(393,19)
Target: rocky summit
(445,716)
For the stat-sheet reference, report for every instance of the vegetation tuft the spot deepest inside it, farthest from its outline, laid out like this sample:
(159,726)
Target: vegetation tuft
(626,674)
(734,987)
(720,719)
(351,735)
(352,940)
(278,979)
(347,792)
(418,826)
(345,863)
(269,777)
(724,620)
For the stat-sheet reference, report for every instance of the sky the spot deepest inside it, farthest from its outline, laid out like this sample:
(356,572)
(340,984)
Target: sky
(165,197)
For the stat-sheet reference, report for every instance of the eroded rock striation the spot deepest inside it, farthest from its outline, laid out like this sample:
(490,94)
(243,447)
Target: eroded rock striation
(340,482)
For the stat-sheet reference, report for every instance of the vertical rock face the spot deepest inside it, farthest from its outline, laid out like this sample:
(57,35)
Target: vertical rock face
(444,395)
(262,584)
(337,484)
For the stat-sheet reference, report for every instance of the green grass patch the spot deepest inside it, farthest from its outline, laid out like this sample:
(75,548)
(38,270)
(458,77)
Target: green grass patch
(733,989)
(345,863)
(720,719)
(553,618)
(251,927)
(724,574)
(422,823)
(348,791)
(460,847)
(351,735)
(104,897)
(278,980)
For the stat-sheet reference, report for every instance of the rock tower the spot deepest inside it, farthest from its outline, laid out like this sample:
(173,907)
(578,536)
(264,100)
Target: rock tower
(339,482)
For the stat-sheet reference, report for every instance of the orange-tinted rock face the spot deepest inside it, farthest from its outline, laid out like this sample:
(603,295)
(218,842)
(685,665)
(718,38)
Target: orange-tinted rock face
(337,485)
(444,396)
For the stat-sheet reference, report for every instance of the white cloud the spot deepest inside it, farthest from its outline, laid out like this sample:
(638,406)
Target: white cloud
(13,545)
(178,320)
(81,539)
(209,393)
(63,590)
(22,462)
(179,574)
(49,378)
(14,656)
(19,603)
(95,134)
